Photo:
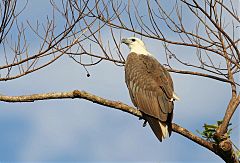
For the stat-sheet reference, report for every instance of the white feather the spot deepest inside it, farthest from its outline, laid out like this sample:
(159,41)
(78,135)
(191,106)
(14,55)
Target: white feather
(164,129)
(137,46)
(139,49)
(175,97)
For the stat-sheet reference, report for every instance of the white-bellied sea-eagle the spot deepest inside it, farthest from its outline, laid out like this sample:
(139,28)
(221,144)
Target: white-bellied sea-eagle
(150,87)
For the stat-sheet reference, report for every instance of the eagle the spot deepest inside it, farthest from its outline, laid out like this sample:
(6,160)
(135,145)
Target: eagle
(150,87)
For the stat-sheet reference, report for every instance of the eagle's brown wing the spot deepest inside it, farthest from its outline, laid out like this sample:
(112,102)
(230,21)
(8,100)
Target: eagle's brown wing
(151,89)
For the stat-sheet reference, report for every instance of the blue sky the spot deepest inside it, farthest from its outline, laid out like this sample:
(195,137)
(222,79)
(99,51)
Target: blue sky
(79,130)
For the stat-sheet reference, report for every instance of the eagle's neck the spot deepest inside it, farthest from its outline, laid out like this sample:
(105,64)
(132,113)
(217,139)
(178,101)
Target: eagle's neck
(139,50)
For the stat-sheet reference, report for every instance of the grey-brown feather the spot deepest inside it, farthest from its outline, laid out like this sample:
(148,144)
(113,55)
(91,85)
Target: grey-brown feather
(150,87)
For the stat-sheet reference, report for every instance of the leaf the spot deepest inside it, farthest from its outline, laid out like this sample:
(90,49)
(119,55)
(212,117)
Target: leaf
(210,130)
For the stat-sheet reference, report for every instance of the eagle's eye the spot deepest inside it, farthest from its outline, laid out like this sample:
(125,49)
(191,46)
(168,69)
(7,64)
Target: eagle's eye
(133,40)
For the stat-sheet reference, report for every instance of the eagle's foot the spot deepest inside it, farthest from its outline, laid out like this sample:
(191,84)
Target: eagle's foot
(144,123)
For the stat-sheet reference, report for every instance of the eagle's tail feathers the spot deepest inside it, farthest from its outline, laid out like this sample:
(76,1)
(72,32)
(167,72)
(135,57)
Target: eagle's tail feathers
(160,129)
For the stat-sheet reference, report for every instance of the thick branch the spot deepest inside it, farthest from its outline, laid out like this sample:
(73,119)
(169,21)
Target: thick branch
(184,132)
(99,100)
(232,106)
(112,104)
(72,95)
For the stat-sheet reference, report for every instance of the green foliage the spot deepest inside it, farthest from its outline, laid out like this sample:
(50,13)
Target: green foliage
(210,130)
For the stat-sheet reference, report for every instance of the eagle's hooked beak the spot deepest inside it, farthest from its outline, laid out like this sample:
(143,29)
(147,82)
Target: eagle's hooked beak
(125,41)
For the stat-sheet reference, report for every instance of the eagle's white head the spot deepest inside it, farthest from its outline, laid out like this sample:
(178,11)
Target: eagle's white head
(135,45)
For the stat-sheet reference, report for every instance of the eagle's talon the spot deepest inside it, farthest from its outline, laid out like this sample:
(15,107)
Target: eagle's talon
(144,123)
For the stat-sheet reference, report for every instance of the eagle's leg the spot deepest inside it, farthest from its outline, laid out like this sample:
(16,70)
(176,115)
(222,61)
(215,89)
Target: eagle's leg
(144,123)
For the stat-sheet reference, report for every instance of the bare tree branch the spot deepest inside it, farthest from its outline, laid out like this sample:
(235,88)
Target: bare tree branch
(76,94)
(211,37)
